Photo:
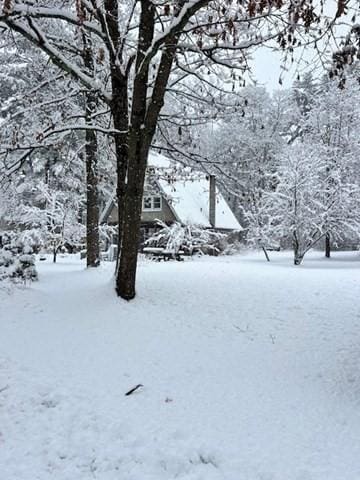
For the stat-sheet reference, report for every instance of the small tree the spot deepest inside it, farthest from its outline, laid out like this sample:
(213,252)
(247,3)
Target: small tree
(55,214)
(307,203)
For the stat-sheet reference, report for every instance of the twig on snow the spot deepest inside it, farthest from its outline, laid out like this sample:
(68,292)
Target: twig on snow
(134,389)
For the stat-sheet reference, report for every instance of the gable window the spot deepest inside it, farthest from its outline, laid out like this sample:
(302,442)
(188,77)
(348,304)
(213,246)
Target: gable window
(151,203)
(156,203)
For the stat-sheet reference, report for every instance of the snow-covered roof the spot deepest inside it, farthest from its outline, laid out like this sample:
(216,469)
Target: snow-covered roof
(158,160)
(189,200)
(104,214)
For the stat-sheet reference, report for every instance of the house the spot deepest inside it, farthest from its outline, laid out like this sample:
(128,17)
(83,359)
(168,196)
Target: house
(171,194)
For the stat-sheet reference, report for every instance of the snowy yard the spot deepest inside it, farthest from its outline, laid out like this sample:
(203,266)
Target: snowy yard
(251,371)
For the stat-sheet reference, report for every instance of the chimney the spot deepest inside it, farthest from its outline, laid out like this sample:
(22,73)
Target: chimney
(212,200)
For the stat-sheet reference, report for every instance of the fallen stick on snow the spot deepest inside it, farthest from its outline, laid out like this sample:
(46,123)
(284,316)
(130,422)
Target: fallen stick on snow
(134,389)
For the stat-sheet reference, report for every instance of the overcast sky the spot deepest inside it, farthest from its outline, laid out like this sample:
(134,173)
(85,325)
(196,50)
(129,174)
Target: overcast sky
(266,65)
(266,69)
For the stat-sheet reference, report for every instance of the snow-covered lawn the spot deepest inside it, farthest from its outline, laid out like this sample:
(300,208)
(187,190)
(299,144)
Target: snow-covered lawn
(251,371)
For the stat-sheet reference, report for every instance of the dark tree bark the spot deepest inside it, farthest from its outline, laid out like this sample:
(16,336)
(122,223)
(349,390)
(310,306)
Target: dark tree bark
(266,254)
(92,200)
(298,259)
(119,109)
(137,160)
(55,252)
(327,245)
(126,275)
(91,161)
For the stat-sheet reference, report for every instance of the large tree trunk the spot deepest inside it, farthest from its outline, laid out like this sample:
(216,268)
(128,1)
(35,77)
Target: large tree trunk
(91,152)
(327,245)
(92,201)
(119,108)
(120,118)
(126,274)
(139,139)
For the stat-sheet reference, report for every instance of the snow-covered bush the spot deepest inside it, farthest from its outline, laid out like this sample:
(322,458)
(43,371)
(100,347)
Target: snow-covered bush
(17,261)
(6,260)
(24,267)
(189,238)
(232,247)
(54,214)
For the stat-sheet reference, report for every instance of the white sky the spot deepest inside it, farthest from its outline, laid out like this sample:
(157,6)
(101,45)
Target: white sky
(266,65)
(266,69)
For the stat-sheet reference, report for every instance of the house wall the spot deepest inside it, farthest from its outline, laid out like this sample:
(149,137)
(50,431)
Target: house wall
(165,215)
(3,224)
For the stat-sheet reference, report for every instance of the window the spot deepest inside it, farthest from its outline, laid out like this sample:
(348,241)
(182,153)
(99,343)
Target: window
(156,203)
(151,204)
(147,203)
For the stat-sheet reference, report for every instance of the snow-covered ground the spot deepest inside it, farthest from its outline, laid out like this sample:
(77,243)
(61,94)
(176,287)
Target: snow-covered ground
(251,371)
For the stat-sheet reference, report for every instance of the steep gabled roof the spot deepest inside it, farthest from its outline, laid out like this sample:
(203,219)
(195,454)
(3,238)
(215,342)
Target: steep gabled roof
(189,199)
